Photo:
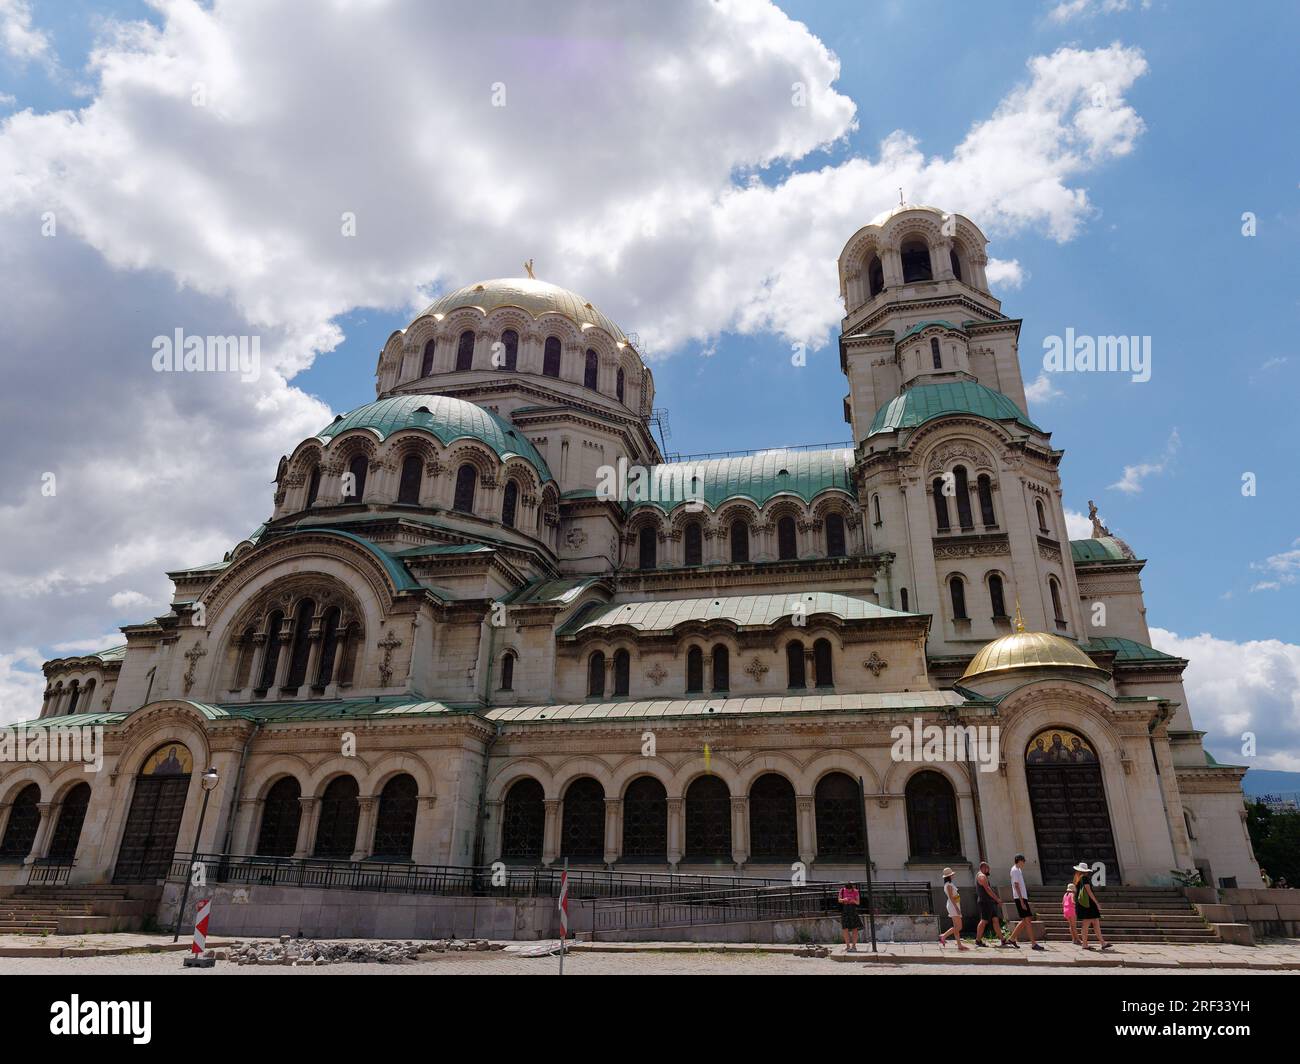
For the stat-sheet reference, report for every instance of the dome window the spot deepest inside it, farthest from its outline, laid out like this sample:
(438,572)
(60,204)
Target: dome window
(510,341)
(466,484)
(916,262)
(591,370)
(551,357)
(875,276)
(426,362)
(465,351)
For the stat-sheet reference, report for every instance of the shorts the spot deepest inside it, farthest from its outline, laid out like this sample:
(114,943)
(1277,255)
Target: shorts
(1023,910)
(988,909)
(953,912)
(849,918)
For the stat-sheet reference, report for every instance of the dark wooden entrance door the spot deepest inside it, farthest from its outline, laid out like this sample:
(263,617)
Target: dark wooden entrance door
(1071,820)
(149,841)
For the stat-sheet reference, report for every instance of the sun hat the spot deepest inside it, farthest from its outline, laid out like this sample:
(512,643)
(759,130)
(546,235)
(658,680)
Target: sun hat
(947,873)
(1082,867)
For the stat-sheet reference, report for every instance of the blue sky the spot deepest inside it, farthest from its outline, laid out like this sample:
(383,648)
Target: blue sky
(1157,251)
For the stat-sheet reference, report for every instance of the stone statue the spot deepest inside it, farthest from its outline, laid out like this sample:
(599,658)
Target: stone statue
(1098,529)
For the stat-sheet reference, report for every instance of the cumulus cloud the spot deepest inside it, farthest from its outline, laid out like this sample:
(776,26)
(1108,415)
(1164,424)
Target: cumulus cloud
(18,37)
(1232,688)
(1077,525)
(1131,482)
(205,185)
(1042,390)
(1069,10)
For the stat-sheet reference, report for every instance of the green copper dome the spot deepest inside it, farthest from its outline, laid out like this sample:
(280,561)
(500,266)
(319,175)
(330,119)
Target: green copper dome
(762,476)
(923,402)
(444,417)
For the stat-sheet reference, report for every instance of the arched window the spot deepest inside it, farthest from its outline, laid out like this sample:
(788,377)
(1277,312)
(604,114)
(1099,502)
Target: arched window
(313,486)
(590,370)
(932,833)
(551,357)
(956,263)
(875,276)
(773,833)
(957,591)
(875,510)
(596,675)
(721,672)
(834,536)
(739,541)
(355,489)
(647,544)
(787,542)
(645,820)
(1057,611)
(1042,516)
(694,544)
(426,359)
(619,384)
(795,670)
(984,487)
(395,821)
(271,656)
(336,832)
(302,619)
(281,814)
(510,341)
(408,487)
(510,503)
(465,350)
(996,597)
(694,670)
(74,693)
(466,485)
(329,644)
(935,357)
(902,599)
(916,262)
(823,671)
(24,819)
(508,671)
(940,505)
(837,806)
(963,499)
(523,821)
(622,672)
(582,834)
(67,830)
(708,821)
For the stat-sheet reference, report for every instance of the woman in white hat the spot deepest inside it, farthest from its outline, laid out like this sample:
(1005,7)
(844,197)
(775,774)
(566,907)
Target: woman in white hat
(1086,908)
(954,910)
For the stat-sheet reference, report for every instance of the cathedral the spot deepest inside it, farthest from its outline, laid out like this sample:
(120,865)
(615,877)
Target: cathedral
(450,643)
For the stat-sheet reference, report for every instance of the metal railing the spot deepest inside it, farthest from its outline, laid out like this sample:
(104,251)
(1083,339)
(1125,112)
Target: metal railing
(787,902)
(403,877)
(48,873)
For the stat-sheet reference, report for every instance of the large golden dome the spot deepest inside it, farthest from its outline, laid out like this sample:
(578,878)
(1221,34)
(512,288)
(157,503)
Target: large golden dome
(1028,650)
(527,293)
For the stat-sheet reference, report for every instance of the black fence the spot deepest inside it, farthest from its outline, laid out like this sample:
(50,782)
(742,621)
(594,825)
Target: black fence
(689,908)
(403,877)
(49,873)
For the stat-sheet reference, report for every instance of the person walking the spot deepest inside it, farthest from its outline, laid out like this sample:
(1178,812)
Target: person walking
(990,908)
(1086,908)
(850,920)
(1068,911)
(1020,895)
(954,910)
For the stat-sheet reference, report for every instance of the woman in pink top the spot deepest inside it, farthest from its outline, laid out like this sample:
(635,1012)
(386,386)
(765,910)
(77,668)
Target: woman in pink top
(850,921)
(1067,909)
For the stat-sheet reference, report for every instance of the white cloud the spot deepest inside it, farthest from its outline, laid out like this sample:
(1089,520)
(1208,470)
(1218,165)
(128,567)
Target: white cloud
(130,600)
(1042,390)
(1078,525)
(1005,274)
(1283,568)
(656,197)
(1134,475)
(1252,686)
(18,37)
(1069,10)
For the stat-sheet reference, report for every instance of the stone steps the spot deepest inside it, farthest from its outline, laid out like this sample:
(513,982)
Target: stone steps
(72,910)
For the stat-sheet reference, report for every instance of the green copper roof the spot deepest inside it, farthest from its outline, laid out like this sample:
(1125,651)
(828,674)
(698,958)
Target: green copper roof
(745,611)
(444,417)
(759,477)
(923,402)
(1126,649)
(551,592)
(1105,549)
(397,572)
(922,325)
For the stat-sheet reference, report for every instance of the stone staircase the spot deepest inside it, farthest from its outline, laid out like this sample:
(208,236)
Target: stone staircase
(72,910)
(1129,914)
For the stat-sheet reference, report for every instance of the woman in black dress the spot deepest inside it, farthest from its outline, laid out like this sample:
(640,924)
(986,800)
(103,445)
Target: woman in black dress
(1086,909)
(850,921)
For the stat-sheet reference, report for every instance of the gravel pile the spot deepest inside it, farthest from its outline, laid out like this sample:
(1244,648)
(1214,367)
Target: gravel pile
(300,952)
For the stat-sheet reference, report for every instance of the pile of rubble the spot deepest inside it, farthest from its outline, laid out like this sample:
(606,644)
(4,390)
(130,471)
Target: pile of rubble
(301,952)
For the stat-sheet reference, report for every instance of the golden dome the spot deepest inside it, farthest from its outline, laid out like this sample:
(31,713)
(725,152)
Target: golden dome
(527,293)
(1028,650)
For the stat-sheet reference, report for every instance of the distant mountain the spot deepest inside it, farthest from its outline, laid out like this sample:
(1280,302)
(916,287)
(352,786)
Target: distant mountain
(1267,781)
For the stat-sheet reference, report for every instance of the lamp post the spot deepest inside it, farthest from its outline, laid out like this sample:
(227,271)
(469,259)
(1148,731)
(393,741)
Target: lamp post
(209,780)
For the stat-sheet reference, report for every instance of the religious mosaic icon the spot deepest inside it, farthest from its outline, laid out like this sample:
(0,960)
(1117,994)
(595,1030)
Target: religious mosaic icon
(1059,746)
(173,759)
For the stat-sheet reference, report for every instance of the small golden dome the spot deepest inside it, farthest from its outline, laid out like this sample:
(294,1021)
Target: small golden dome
(1028,650)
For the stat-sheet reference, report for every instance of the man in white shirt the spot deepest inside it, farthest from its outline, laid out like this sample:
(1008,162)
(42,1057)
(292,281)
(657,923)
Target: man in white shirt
(1020,895)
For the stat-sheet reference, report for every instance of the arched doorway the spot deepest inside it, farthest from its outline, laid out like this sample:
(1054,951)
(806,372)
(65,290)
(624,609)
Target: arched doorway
(582,831)
(645,821)
(281,817)
(1071,818)
(67,830)
(708,821)
(340,812)
(154,820)
(395,825)
(24,820)
(523,822)
(773,828)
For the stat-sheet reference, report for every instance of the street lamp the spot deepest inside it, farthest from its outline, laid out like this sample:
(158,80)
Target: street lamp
(209,780)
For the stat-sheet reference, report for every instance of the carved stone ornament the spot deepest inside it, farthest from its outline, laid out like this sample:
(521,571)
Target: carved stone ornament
(388,644)
(575,538)
(875,663)
(756,669)
(657,674)
(192,656)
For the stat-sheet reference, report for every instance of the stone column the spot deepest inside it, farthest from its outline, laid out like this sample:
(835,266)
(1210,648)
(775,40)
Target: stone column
(313,657)
(613,830)
(286,655)
(365,826)
(740,828)
(805,821)
(492,839)
(676,831)
(551,836)
(891,265)
(310,814)
(248,822)
(43,829)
